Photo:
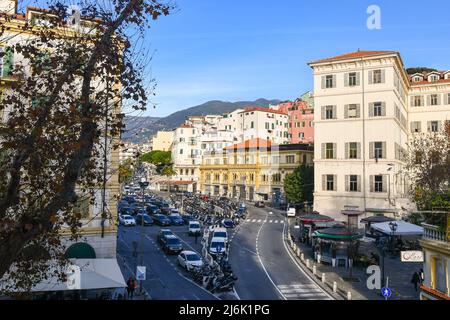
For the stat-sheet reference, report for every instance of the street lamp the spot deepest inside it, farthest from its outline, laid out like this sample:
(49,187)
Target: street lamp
(143,184)
(393,226)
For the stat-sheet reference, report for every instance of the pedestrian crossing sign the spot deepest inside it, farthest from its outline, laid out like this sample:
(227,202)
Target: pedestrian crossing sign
(141,272)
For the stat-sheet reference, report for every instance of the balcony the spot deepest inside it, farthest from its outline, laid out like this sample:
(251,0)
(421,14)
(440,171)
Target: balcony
(431,232)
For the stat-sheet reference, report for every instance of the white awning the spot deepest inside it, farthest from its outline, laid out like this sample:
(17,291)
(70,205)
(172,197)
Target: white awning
(403,228)
(94,274)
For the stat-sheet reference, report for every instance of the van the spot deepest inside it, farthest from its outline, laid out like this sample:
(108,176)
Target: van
(220,233)
(290,212)
(194,228)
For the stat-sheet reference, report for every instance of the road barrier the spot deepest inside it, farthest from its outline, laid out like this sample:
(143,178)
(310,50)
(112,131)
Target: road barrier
(335,287)
(323,277)
(349,295)
(307,263)
(314,269)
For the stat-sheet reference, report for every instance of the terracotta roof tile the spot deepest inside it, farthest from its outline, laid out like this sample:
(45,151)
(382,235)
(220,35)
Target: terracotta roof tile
(252,143)
(354,55)
(250,109)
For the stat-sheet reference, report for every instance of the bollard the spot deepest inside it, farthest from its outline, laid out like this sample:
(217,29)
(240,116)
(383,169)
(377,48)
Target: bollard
(349,295)
(307,263)
(319,257)
(323,277)
(298,251)
(334,287)
(314,270)
(294,247)
(302,256)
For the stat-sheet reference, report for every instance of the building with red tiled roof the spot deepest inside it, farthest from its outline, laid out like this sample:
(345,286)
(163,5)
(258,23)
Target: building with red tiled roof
(257,143)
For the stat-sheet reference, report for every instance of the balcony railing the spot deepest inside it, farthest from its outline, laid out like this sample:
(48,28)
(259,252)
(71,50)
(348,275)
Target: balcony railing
(433,233)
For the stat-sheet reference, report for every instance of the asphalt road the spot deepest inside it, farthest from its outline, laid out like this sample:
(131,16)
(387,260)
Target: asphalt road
(262,263)
(166,280)
(258,256)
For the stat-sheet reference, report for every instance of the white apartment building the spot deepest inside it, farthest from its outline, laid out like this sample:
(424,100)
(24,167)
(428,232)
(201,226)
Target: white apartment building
(367,107)
(128,151)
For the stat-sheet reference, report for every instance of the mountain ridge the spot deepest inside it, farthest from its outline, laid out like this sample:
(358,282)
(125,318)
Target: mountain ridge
(140,129)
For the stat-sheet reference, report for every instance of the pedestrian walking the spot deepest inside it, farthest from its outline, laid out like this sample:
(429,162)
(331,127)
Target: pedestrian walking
(130,287)
(422,276)
(415,279)
(196,237)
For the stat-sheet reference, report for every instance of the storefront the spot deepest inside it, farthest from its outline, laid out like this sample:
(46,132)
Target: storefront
(311,222)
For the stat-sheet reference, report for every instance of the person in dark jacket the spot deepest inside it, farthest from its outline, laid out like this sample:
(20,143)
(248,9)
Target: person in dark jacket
(130,287)
(415,279)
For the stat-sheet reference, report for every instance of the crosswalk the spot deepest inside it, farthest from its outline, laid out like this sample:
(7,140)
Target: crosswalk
(300,291)
(265,221)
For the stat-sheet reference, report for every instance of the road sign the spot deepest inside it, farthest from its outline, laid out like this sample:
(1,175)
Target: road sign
(411,256)
(141,272)
(386,292)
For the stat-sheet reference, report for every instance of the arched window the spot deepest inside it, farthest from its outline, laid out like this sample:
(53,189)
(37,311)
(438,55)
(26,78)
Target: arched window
(80,250)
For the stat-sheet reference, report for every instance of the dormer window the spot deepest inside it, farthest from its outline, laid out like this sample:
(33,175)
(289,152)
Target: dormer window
(417,79)
(447,76)
(433,78)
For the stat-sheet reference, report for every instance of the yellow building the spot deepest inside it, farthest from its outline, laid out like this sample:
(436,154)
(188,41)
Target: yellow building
(98,236)
(253,170)
(436,265)
(162,141)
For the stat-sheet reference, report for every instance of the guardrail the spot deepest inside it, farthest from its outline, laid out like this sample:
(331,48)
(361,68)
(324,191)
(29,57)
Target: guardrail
(432,232)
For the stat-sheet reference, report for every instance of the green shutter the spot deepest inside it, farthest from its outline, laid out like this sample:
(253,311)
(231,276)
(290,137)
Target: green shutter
(8,62)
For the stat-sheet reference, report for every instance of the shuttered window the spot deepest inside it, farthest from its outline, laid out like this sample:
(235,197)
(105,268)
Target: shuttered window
(6,61)
(352,183)
(351,111)
(329,182)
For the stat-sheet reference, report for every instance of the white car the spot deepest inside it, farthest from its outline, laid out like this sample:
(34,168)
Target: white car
(220,233)
(190,260)
(290,212)
(217,246)
(194,228)
(127,220)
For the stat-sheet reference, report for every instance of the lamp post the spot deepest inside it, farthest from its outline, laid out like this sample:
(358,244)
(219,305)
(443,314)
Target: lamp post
(393,226)
(143,184)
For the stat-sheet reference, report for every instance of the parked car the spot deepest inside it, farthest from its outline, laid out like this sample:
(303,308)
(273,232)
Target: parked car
(127,220)
(227,223)
(174,211)
(220,233)
(259,204)
(190,260)
(290,212)
(217,246)
(125,211)
(161,220)
(187,218)
(162,233)
(144,219)
(176,220)
(171,244)
(194,228)
(152,209)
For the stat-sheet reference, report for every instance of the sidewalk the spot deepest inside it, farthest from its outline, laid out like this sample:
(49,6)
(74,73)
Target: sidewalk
(127,272)
(399,275)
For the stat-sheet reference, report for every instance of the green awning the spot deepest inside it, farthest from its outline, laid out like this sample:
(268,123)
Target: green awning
(80,250)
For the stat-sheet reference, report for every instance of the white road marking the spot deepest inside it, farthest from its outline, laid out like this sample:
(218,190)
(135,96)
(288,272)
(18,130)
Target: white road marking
(259,220)
(254,220)
(248,220)
(270,221)
(262,265)
(298,266)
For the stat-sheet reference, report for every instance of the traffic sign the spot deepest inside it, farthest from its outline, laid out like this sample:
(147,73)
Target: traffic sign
(141,272)
(386,292)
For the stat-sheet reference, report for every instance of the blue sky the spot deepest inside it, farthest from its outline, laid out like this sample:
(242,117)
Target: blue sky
(246,49)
